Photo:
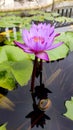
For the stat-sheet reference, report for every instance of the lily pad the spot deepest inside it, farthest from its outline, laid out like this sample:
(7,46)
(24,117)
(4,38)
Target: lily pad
(48,17)
(38,18)
(14,53)
(67,38)
(16,67)
(3,56)
(6,24)
(58,53)
(7,80)
(35,12)
(11,21)
(22,71)
(3,127)
(69,106)
(63,19)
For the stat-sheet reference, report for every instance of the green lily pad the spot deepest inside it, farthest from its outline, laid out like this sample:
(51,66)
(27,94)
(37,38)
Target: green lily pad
(22,71)
(67,38)
(63,19)
(3,127)
(10,71)
(48,17)
(58,53)
(14,53)
(35,12)
(69,106)
(3,56)
(55,14)
(10,21)
(6,24)
(38,18)
(7,80)
(16,67)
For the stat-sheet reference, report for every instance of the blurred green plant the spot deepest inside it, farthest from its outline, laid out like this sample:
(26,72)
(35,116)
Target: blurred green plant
(14,66)
(69,107)
(24,19)
(3,127)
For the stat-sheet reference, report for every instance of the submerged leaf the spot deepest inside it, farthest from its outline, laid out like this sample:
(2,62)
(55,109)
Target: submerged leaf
(69,106)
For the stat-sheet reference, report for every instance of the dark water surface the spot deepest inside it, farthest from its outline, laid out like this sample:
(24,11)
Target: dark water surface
(57,85)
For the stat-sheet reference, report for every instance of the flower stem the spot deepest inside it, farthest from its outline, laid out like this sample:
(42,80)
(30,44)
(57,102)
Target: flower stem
(40,71)
(33,74)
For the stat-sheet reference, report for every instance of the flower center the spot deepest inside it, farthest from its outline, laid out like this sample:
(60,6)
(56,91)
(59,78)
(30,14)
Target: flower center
(38,39)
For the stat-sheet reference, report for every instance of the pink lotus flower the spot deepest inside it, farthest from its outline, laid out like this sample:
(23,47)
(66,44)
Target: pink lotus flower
(38,40)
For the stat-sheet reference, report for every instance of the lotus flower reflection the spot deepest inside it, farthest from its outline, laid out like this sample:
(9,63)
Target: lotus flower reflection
(38,40)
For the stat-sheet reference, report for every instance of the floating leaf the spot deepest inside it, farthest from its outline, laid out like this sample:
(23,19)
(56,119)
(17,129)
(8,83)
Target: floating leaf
(3,56)
(69,106)
(48,17)
(7,80)
(61,51)
(3,127)
(14,53)
(58,53)
(10,21)
(63,19)
(35,12)
(55,14)
(67,38)
(22,71)
(38,18)
(16,66)
(14,19)
(6,24)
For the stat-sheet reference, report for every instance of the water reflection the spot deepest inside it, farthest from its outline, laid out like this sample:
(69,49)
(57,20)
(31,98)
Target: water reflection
(41,92)
(5,103)
(37,116)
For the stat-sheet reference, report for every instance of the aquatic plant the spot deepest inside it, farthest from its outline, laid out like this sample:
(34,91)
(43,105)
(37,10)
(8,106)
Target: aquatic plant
(38,40)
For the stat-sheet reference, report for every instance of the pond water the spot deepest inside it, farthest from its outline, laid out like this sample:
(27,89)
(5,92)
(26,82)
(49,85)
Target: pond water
(57,85)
